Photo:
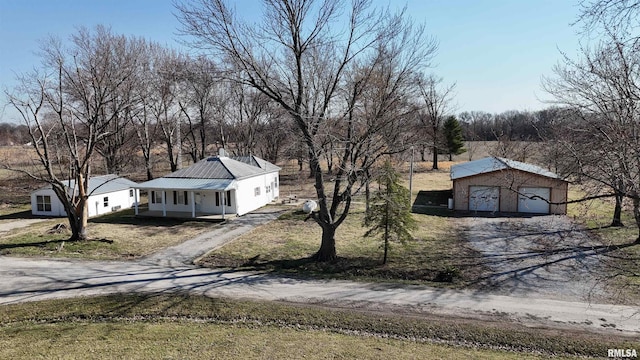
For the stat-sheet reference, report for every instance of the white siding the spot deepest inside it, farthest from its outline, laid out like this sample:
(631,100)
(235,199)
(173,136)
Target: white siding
(56,206)
(95,203)
(247,199)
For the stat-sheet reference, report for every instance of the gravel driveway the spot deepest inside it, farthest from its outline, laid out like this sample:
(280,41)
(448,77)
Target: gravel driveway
(541,256)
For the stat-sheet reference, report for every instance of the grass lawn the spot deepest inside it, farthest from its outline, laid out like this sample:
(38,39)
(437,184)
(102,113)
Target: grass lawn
(177,326)
(435,255)
(118,235)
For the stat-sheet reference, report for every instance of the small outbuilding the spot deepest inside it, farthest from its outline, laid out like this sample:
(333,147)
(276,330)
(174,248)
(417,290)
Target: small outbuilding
(107,193)
(496,184)
(217,185)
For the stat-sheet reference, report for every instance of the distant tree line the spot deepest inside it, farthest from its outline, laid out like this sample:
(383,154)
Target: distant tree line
(13,134)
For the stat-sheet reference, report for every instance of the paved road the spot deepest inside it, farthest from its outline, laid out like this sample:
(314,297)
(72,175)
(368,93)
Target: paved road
(38,279)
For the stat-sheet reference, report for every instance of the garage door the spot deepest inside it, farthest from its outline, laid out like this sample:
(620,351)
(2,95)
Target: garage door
(538,205)
(484,198)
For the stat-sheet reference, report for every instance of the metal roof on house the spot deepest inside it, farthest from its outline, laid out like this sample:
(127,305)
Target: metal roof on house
(213,173)
(491,164)
(188,184)
(102,184)
(256,161)
(220,167)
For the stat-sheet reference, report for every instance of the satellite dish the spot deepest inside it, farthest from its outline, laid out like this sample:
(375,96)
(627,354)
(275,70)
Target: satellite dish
(309,206)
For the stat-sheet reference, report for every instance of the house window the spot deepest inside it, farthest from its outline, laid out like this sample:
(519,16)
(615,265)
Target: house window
(227,199)
(156,197)
(268,189)
(105,200)
(256,191)
(180,198)
(130,192)
(275,181)
(43,202)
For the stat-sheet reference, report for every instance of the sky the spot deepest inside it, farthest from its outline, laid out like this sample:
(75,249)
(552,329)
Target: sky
(495,51)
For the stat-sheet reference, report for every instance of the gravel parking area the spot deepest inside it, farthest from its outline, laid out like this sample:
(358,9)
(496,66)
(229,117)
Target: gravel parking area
(541,256)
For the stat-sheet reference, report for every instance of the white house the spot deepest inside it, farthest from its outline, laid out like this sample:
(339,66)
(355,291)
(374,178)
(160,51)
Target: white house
(217,185)
(107,193)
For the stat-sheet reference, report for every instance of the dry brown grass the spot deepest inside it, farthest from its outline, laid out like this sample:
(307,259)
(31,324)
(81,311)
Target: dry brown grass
(115,236)
(286,245)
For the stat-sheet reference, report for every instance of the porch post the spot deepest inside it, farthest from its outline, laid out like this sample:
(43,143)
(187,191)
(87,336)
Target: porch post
(164,205)
(223,201)
(193,204)
(135,200)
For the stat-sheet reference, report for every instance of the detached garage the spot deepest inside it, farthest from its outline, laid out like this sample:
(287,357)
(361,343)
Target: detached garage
(501,185)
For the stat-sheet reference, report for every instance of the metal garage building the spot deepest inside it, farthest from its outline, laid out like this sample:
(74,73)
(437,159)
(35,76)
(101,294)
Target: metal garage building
(502,185)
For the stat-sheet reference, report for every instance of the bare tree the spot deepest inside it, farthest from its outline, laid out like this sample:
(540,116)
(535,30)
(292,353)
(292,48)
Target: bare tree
(202,105)
(603,88)
(474,123)
(299,57)
(436,104)
(69,109)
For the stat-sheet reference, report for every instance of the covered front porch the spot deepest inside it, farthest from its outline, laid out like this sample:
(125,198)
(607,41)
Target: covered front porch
(189,198)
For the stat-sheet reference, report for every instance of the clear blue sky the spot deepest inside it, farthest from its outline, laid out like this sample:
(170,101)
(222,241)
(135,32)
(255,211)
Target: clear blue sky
(495,50)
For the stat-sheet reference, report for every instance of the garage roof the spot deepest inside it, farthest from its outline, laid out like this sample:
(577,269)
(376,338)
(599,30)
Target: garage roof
(491,164)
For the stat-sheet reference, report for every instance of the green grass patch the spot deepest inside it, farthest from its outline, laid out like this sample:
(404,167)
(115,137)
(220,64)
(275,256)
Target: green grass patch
(436,255)
(164,326)
(119,235)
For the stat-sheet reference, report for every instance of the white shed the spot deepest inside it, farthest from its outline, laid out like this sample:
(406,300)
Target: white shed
(217,185)
(107,193)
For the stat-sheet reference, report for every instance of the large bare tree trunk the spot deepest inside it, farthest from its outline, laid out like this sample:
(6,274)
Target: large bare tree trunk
(617,211)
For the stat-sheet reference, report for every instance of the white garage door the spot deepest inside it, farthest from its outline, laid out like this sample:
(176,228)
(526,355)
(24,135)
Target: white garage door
(484,198)
(538,205)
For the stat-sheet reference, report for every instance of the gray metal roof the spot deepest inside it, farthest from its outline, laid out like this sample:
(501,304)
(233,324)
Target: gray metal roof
(188,184)
(256,161)
(491,164)
(102,184)
(220,167)
(213,173)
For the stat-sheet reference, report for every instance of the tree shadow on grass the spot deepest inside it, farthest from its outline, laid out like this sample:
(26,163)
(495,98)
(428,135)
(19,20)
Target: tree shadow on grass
(127,217)
(47,243)
(345,268)
(26,214)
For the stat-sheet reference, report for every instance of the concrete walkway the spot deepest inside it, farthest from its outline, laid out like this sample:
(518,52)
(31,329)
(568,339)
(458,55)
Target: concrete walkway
(190,250)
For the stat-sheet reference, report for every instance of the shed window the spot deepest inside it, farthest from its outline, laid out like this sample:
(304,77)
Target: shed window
(43,202)
(105,200)
(130,192)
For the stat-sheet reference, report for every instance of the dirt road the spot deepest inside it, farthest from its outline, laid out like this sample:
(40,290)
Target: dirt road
(169,270)
(29,279)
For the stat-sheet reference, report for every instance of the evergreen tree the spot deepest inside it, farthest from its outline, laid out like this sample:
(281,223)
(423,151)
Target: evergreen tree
(453,136)
(390,211)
